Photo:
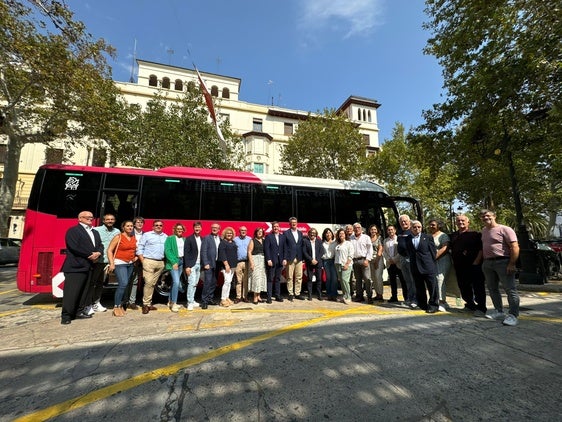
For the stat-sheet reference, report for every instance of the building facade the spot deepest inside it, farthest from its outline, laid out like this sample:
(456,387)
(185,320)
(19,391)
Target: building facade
(263,128)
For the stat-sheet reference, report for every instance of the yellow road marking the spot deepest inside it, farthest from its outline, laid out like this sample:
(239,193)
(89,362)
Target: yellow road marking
(17,311)
(110,390)
(8,291)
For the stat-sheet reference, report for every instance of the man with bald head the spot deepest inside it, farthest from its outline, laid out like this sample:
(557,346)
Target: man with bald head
(466,251)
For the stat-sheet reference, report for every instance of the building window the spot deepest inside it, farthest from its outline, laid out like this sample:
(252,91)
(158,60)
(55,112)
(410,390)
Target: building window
(152,80)
(178,85)
(99,157)
(257,125)
(258,168)
(225,93)
(166,83)
(288,129)
(3,153)
(366,139)
(224,117)
(364,115)
(369,116)
(215,91)
(53,155)
(191,87)
(359,114)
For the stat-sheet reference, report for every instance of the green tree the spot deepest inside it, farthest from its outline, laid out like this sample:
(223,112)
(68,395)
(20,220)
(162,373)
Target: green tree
(173,133)
(54,83)
(327,146)
(408,166)
(499,123)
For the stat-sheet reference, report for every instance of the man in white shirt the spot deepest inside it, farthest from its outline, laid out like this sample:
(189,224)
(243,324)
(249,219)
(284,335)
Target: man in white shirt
(361,259)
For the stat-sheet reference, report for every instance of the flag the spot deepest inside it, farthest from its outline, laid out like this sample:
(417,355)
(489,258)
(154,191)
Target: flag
(211,107)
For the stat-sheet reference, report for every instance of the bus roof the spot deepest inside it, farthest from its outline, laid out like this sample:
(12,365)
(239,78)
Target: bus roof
(230,176)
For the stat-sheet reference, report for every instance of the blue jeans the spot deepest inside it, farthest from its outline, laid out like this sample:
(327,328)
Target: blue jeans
(331,277)
(495,272)
(123,273)
(192,282)
(176,274)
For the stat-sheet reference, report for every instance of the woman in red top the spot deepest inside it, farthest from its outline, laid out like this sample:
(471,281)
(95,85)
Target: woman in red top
(121,255)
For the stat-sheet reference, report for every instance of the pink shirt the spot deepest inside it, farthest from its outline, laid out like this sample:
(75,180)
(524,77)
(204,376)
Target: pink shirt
(496,241)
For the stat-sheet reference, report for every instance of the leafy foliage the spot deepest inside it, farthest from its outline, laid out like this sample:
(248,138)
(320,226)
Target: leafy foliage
(54,83)
(175,133)
(327,146)
(499,124)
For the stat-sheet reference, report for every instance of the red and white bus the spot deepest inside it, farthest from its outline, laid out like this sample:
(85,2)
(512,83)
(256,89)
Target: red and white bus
(186,195)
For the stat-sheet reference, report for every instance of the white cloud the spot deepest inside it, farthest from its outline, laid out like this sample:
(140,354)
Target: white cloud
(349,17)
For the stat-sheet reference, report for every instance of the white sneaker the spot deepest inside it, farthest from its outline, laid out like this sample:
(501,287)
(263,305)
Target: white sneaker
(510,320)
(495,314)
(195,304)
(88,310)
(442,308)
(98,307)
(175,307)
(190,306)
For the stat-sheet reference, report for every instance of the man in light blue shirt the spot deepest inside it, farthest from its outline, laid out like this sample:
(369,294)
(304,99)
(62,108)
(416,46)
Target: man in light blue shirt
(242,241)
(150,251)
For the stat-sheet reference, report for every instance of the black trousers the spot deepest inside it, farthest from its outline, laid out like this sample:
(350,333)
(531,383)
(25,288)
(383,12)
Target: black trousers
(472,286)
(429,281)
(74,286)
(274,281)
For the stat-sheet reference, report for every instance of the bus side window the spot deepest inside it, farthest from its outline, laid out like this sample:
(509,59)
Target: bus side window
(272,203)
(176,199)
(227,201)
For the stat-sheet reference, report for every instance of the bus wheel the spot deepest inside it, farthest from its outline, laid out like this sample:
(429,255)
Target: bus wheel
(164,284)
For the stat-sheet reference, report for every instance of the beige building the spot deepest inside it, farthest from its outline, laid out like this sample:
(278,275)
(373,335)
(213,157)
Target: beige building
(264,128)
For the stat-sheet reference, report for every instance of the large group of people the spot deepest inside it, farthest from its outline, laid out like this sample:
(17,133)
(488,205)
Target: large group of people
(351,259)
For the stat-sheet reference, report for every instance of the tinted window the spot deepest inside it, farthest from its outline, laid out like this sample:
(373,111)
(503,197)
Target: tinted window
(121,181)
(226,201)
(358,206)
(170,198)
(314,206)
(273,203)
(65,194)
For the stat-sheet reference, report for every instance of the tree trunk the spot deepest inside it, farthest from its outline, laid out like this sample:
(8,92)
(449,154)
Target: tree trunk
(8,182)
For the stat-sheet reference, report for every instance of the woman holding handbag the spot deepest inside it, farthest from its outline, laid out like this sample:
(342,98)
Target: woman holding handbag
(121,255)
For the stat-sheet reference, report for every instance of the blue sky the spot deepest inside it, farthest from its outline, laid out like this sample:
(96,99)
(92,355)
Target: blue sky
(301,54)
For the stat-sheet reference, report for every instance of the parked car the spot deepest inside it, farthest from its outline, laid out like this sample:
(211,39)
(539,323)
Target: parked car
(9,250)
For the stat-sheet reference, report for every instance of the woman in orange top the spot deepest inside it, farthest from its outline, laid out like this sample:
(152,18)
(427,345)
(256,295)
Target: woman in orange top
(121,255)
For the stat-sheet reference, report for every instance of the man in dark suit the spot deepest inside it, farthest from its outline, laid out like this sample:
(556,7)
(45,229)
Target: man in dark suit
(210,265)
(312,251)
(192,263)
(292,254)
(83,249)
(273,251)
(423,263)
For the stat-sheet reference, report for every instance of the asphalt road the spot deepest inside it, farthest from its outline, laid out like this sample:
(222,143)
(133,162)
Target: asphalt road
(300,361)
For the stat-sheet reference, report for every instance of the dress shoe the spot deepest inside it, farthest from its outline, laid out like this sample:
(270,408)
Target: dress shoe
(359,299)
(204,305)
(320,297)
(152,308)
(132,306)
(65,321)
(145,309)
(393,300)
(299,297)
(213,302)
(278,299)
(370,301)
(83,316)
(430,311)
(290,298)
(379,298)
(309,297)
(269,301)
(236,301)
(245,300)
(225,303)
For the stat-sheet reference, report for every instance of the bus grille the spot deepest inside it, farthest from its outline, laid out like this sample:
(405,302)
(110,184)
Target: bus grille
(45,268)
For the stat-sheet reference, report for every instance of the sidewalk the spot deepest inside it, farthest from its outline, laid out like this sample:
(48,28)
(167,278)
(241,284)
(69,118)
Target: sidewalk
(553,286)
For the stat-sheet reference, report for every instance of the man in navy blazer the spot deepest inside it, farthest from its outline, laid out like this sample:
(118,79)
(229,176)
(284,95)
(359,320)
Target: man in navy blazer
(292,254)
(423,263)
(273,251)
(192,263)
(83,249)
(312,251)
(209,264)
